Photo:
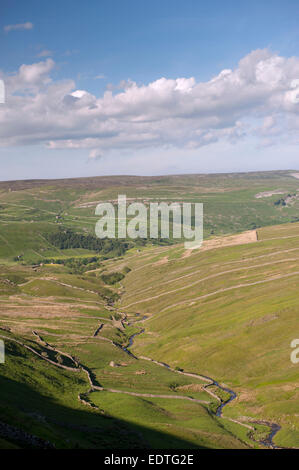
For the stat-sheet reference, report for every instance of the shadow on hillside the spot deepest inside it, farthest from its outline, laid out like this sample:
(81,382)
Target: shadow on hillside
(39,415)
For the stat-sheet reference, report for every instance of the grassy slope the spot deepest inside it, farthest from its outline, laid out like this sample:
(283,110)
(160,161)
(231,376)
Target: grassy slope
(241,335)
(42,401)
(69,324)
(28,211)
(205,336)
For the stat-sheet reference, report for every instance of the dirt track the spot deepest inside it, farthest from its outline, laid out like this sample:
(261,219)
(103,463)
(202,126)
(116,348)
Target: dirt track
(239,286)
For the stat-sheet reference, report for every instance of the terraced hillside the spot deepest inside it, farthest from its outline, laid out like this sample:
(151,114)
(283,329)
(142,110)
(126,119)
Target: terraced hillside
(69,381)
(222,317)
(229,312)
(149,346)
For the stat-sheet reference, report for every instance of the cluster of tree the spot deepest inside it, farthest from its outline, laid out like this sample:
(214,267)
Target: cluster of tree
(66,238)
(112,278)
(253,226)
(160,241)
(108,295)
(76,265)
(279,202)
(283,201)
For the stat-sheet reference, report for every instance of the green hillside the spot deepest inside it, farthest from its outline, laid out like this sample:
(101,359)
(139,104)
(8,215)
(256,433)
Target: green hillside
(229,313)
(142,345)
(31,210)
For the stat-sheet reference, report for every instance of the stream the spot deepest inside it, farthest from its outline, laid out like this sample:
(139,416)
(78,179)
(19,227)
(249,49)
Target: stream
(268,441)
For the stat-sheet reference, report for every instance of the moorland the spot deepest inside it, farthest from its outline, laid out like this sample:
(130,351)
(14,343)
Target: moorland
(144,344)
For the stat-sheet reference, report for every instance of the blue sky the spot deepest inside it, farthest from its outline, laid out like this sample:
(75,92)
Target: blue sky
(123,47)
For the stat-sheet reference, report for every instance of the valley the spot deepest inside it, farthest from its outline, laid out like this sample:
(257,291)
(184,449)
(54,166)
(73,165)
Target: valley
(143,344)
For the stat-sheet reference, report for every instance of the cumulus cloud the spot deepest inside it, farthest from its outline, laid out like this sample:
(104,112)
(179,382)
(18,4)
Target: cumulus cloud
(258,98)
(18,27)
(31,74)
(29,78)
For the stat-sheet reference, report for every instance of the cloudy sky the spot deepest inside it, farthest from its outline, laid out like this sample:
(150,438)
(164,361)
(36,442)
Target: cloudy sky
(148,87)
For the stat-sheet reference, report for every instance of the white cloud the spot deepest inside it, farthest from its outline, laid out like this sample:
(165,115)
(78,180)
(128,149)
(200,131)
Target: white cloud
(79,93)
(32,74)
(18,27)
(44,53)
(257,98)
(28,78)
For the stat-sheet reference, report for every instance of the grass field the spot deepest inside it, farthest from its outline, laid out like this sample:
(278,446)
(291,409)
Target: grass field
(231,313)
(222,317)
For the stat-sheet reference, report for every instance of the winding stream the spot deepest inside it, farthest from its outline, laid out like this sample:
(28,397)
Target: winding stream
(268,441)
